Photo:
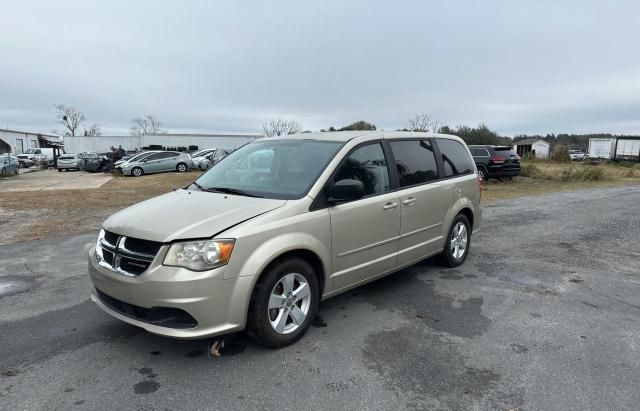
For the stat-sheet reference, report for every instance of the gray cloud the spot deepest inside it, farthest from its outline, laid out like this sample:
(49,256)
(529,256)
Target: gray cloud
(543,66)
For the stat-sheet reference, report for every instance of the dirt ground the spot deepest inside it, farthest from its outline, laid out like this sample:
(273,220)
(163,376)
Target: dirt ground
(32,215)
(40,214)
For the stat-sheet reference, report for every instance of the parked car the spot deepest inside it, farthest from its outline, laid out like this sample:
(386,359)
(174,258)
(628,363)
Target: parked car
(495,161)
(157,162)
(25,162)
(282,223)
(210,159)
(202,153)
(68,162)
(37,154)
(577,155)
(137,157)
(89,161)
(8,164)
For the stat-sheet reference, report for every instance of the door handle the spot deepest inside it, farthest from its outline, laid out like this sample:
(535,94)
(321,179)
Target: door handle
(390,206)
(409,201)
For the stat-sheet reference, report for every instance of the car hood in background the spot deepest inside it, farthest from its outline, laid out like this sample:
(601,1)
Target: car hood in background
(184,214)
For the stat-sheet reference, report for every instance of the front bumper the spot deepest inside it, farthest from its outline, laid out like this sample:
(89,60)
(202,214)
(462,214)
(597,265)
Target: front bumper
(218,306)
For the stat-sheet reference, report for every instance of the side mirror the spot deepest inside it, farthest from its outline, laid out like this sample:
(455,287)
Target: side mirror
(346,190)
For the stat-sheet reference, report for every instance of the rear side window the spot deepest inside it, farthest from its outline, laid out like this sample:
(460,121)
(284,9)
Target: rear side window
(504,151)
(479,152)
(415,161)
(455,157)
(366,164)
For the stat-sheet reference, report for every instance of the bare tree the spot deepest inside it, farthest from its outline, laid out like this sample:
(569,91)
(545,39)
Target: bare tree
(425,123)
(145,125)
(93,130)
(281,127)
(70,118)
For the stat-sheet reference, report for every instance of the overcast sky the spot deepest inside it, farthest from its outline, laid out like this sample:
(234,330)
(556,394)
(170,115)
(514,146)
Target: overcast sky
(205,66)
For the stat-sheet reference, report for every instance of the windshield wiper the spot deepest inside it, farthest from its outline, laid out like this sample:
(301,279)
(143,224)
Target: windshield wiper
(227,190)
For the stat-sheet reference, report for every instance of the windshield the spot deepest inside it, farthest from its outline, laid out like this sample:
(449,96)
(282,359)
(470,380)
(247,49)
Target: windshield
(202,153)
(283,169)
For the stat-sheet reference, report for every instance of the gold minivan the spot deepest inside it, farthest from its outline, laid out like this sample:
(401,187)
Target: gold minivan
(280,224)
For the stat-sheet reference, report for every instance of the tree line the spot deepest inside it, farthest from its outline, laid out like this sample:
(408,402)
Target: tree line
(73,121)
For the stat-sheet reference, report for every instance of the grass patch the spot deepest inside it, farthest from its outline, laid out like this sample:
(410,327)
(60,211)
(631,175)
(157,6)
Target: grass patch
(544,176)
(42,214)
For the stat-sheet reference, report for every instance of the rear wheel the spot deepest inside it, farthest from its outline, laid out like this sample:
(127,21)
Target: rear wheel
(182,167)
(137,172)
(482,173)
(458,242)
(284,303)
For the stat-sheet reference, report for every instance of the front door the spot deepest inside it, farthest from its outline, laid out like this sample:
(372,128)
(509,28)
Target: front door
(364,233)
(424,200)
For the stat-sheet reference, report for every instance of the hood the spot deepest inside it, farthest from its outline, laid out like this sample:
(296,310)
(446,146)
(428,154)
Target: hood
(184,214)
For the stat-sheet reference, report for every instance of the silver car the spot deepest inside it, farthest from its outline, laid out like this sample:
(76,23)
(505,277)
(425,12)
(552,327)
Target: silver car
(157,162)
(8,164)
(282,223)
(68,162)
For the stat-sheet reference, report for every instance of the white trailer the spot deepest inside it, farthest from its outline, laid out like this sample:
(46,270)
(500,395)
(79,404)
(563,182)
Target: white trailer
(601,148)
(628,149)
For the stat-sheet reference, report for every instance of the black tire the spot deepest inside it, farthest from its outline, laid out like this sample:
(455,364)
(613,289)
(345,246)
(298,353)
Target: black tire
(60,170)
(482,173)
(137,172)
(258,321)
(182,168)
(447,258)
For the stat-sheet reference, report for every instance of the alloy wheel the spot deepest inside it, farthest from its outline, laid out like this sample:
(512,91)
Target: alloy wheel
(459,240)
(289,303)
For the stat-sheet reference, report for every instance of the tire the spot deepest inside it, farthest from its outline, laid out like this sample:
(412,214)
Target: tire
(3,171)
(137,172)
(181,167)
(482,173)
(451,255)
(283,325)
(60,170)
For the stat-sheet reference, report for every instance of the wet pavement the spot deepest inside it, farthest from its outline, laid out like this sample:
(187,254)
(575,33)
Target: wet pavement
(543,315)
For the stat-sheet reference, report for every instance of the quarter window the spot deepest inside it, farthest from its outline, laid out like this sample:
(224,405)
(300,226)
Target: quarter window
(415,161)
(366,164)
(455,157)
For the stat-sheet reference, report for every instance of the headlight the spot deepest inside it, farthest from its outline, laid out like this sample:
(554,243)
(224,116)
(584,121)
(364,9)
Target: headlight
(200,255)
(99,256)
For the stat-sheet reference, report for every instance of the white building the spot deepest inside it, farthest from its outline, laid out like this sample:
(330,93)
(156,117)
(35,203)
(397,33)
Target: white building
(532,148)
(102,144)
(17,142)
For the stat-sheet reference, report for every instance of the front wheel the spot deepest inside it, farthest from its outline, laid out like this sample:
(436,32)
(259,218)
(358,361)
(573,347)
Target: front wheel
(137,172)
(458,242)
(284,303)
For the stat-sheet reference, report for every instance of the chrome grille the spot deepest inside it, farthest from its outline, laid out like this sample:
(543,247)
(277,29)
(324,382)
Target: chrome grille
(128,256)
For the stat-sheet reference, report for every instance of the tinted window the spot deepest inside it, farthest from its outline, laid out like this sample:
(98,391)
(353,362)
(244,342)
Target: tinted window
(455,158)
(155,156)
(415,161)
(366,164)
(479,152)
(504,151)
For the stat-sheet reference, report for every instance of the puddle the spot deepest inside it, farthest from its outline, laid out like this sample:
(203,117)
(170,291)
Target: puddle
(12,285)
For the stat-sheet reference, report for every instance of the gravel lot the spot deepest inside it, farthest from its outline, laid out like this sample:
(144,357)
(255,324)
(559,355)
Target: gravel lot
(543,315)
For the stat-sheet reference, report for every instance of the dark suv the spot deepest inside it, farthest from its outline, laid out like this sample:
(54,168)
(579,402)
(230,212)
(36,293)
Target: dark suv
(495,161)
